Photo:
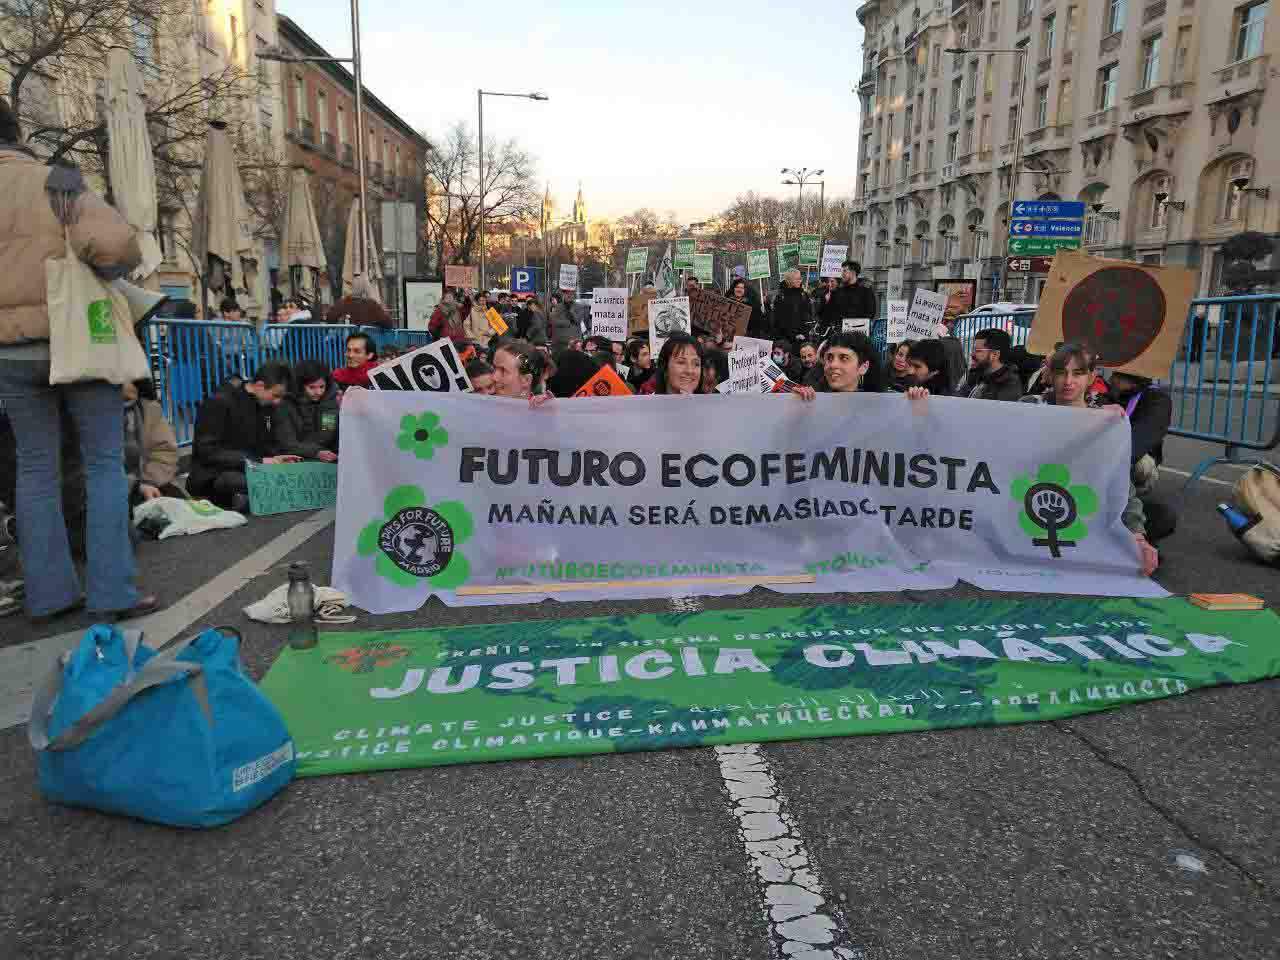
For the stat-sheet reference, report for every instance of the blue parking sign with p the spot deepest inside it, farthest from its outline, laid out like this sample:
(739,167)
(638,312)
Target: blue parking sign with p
(522,280)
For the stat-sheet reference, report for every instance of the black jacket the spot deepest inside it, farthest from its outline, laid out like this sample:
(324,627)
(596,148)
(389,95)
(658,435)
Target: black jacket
(848,302)
(1149,422)
(1003,384)
(756,326)
(791,313)
(231,427)
(304,427)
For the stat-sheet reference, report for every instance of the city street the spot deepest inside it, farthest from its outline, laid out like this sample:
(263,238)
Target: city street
(1145,831)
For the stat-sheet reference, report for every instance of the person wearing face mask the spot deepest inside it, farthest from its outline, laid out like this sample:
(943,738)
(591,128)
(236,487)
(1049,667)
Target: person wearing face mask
(786,361)
(150,447)
(679,368)
(518,370)
(306,425)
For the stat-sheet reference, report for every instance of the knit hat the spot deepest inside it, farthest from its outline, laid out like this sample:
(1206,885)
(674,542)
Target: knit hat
(573,369)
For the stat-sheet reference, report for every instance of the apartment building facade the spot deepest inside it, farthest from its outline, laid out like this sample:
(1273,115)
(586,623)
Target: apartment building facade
(1152,112)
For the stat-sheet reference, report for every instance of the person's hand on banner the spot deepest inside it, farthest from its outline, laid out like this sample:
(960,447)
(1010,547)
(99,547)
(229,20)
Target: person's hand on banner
(917,393)
(1114,410)
(1149,556)
(327,456)
(807,394)
(918,397)
(283,458)
(537,400)
(147,491)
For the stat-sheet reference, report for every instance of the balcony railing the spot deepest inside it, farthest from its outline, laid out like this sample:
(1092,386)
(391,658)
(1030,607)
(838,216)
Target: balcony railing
(1109,43)
(1154,11)
(1024,21)
(1044,65)
(307,131)
(1035,136)
(1101,119)
(348,155)
(1067,57)
(1144,98)
(954,119)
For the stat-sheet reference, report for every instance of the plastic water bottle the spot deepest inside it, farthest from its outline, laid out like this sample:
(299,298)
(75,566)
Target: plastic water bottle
(302,607)
(1238,521)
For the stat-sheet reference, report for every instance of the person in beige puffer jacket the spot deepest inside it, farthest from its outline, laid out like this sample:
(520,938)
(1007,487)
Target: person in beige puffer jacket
(41,207)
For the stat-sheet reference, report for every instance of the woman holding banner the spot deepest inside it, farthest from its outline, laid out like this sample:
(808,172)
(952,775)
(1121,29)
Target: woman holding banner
(679,367)
(518,369)
(850,363)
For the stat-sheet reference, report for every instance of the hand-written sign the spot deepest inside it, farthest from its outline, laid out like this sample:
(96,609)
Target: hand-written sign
(568,276)
(704,266)
(685,249)
(605,383)
(609,312)
(788,257)
(638,311)
(926,312)
(637,259)
(435,368)
(744,371)
(460,275)
(810,249)
(719,316)
(758,265)
(833,256)
(287,487)
(897,329)
(667,315)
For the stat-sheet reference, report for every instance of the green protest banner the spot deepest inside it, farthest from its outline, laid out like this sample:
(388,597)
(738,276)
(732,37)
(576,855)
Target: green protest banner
(788,257)
(287,487)
(703,265)
(685,249)
(554,687)
(637,259)
(758,265)
(810,249)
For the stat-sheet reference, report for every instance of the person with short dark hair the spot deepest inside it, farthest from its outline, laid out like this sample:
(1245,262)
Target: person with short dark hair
(715,369)
(480,373)
(900,376)
(928,362)
(850,364)
(362,356)
(639,362)
(595,343)
(573,369)
(230,310)
(679,367)
(233,426)
(306,425)
(851,300)
(783,354)
(991,376)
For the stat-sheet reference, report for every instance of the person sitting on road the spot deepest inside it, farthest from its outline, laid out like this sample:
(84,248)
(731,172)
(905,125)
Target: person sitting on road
(679,368)
(640,363)
(150,447)
(927,360)
(1150,412)
(1072,369)
(900,376)
(480,372)
(362,356)
(991,376)
(234,426)
(518,369)
(306,425)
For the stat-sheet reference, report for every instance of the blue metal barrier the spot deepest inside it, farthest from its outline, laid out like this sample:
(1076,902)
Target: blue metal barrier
(191,359)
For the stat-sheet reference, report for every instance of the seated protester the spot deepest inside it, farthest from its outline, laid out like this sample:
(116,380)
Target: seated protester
(900,376)
(849,363)
(150,447)
(360,308)
(481,375)
(306,425)
(990,376)
(784,357)
(715,369)
(1072,369)
(1150,411)
(518,369)
(927,360)
(362,356)
(233,426)
(573,369)
(679,368)
(640,363)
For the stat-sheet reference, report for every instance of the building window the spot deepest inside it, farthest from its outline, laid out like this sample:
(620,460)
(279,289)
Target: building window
(1233,199)
(984,133)
(1106,88)
(1150,62)
(264,77)
(989,78)
(953,146)
(342,124)
(968,136)
(933,107)
(1182,54)
(322,111)
(1042,107)
(1251,20)
(1115,15)
(972,90)
(928,155)
(955,94)
(1066,111)
(1025,7)
(1013,124)
(893,86)
(1069,40)
(300,100)
(906,165)
(1047,32)
(1159,212)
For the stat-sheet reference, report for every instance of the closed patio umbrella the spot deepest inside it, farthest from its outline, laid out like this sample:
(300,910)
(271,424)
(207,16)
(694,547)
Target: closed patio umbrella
(303,246)
(222,241)
(130,164)
(351,255)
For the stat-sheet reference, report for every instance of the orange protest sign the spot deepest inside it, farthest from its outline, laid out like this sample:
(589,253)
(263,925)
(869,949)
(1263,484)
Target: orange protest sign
(606,383)
(495,320)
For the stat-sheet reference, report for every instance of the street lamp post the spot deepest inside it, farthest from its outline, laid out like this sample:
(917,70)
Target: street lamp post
(480,95)
(1020,52)
(802,176)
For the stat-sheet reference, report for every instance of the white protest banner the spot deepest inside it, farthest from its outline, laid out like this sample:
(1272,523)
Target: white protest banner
(667,315)
(609,313)
(856,325)
(744,371)
(763,348)
(927,310)
(568,276)
(833,256)
(435,368)
(516,506)
(897,327)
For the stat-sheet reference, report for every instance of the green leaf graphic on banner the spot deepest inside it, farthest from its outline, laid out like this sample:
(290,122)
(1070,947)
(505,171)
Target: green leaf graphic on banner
(421,435)
(1053,508)
(414,542)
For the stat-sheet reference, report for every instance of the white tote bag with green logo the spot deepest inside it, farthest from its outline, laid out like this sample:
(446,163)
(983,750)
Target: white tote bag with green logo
(91,333)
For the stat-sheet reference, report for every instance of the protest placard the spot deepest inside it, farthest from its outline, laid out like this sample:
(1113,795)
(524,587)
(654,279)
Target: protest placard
(667,315)
(638,311)
(1130,314)
(833,256)
(961,294)
(605,383)
(772,377)
(788,257)
(763,348)
(810,249)
(685,249)
(896,283)
(495,321)
(758,265)
(637,259)
(744,371)
(609,312)
(703,266)
(925,314)
(460,275)
(719,316)
(568,276)
(289,487)
(856,325)
(897,327)
(435,368)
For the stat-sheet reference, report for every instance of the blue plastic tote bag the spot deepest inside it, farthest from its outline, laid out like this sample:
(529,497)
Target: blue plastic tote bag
(181,737)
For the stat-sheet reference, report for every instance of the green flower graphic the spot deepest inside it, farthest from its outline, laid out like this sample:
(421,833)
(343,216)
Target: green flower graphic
(413,542)
(1053,508)
(421,435)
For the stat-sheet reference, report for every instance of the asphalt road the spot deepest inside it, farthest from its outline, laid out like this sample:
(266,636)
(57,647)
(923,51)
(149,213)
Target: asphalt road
(1047,840)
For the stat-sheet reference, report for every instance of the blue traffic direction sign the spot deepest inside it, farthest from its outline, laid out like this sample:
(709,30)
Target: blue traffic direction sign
(1046,228)
(1049,209)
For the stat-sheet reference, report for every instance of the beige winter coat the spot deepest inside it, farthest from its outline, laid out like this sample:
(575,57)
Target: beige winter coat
(30,234)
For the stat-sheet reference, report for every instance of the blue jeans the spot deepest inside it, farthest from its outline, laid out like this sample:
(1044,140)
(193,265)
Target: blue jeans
(96,408)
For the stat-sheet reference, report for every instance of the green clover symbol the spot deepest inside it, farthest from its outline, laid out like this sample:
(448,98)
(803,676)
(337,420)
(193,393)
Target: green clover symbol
(421,435)
(453,512)
(1058,475)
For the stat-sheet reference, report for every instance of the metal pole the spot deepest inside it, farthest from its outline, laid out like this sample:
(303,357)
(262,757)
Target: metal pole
(363,225)
(1013,173)
(480,166)
(800,209)
(822,210)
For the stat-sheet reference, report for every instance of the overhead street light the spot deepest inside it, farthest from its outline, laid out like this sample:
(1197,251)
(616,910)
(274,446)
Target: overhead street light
(801,177)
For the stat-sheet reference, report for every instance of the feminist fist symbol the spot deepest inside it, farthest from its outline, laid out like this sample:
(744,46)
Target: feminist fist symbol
(1051,508)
